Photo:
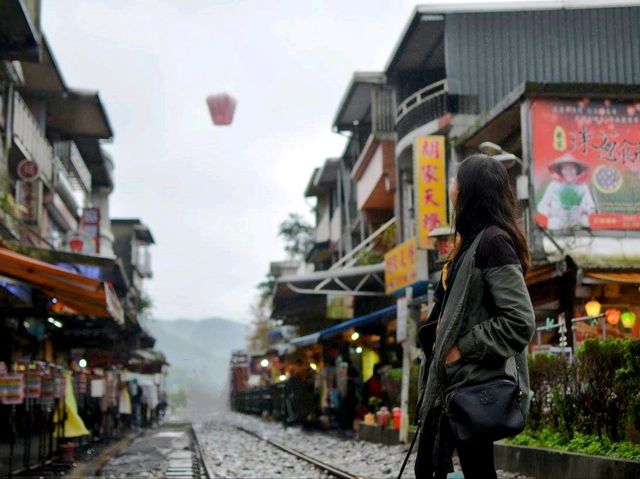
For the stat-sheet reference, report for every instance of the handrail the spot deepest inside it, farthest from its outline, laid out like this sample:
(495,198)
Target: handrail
(31,138)
(351,254)
(431,91)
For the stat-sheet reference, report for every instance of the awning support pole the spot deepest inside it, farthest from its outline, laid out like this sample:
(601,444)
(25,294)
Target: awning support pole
(406,366)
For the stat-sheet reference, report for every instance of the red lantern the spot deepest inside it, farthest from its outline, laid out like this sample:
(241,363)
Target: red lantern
(222,106)
(613,316)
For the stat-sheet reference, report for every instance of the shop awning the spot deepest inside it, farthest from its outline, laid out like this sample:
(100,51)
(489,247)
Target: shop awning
(615,277)
(300,297)
(363,320)
(109,270)
(84,295)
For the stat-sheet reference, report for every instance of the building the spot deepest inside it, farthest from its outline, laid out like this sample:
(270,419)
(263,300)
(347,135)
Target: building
(71,322)
(463,79)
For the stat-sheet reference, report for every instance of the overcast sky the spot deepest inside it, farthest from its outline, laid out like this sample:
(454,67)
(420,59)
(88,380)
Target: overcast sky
(213,197)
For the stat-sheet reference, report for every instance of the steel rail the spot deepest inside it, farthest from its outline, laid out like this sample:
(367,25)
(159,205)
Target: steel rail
(200,453)
(334,471)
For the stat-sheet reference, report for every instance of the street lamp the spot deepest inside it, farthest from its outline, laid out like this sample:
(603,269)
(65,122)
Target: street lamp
(508,160)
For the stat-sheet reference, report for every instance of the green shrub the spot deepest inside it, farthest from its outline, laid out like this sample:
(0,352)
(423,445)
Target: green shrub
(598,395)
(582,443)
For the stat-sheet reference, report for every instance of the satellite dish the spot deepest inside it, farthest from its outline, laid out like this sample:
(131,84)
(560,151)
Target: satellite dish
(222,106)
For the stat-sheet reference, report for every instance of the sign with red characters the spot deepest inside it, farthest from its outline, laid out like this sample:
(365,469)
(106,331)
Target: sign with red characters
(586,164)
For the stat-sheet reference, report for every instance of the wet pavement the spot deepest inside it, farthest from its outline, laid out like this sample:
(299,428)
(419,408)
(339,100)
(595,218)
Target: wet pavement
(164,452)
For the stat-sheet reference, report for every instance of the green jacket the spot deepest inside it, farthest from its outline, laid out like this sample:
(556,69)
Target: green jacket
(494,345)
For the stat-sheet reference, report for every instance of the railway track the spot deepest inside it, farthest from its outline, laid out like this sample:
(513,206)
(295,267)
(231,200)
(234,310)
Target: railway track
(328,468)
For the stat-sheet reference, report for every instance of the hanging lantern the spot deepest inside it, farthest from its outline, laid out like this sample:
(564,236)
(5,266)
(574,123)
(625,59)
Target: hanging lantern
(628,319)
(222,106)
(593,308)
(612,315)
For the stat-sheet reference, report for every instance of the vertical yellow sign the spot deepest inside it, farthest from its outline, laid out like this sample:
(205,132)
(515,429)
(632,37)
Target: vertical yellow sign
(430,182)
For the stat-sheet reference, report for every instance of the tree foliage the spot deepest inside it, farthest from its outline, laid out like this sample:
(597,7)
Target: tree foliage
(298,236)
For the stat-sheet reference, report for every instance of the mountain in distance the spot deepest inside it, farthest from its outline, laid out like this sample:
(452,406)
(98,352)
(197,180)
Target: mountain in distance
(198,352)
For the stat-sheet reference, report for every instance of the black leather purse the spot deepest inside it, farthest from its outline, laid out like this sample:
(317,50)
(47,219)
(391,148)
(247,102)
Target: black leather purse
(492,410)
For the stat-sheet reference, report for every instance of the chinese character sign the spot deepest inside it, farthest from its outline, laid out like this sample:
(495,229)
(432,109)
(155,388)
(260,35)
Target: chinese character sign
(339,306)
(401,266)
(586,162)
(430,181)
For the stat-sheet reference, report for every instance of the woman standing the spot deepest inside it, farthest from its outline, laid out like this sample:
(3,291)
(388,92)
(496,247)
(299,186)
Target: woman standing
(482,320)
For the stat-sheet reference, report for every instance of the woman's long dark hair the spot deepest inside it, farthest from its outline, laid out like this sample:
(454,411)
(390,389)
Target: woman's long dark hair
(485,198)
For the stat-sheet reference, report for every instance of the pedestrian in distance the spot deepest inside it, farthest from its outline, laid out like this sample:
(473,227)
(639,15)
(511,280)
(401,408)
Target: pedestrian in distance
(474,382)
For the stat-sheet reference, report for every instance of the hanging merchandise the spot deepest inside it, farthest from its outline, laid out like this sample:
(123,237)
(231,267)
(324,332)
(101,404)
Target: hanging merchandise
(628,319)
(48,388)
(61,385)
(97,388)
(81,384)
(13,388)
(73,424)
(34,385)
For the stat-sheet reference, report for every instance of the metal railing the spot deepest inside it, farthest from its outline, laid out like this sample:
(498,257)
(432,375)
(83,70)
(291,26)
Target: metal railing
(427,94)
(74,164)
(352,257)
(30,137)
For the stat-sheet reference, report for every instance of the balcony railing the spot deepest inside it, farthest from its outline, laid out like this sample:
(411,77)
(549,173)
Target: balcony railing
(430,103)
(31,139)
(74,164)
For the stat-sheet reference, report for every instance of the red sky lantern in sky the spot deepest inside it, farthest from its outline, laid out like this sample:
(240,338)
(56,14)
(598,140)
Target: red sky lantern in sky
(222,106)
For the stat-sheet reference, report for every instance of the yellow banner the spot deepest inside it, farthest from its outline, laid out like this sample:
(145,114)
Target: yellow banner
(401,266)
(430,180)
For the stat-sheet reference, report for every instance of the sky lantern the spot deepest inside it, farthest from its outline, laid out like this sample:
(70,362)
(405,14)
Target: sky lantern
(222,106)
(628,319)
(613,316)
(593,308)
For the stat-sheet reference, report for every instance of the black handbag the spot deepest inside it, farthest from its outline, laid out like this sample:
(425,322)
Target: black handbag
(492,410)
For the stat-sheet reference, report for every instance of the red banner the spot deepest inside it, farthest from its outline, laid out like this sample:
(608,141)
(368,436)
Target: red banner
(586,164)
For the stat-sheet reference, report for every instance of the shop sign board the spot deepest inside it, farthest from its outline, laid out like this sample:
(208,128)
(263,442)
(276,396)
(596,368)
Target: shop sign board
(90,229)
(29,197)
(28,170)
(430,186)
(12,388)
(404,265)
(339,306)
(586,164)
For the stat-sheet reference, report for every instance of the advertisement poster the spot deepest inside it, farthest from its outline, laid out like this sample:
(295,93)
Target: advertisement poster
(586,164)
(13,388)
(430,183)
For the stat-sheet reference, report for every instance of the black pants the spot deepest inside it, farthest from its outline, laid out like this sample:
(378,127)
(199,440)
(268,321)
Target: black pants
(435,446)
(476,460)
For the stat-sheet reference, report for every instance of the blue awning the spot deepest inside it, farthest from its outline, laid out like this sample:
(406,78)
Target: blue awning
(313,338)
(359,321)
